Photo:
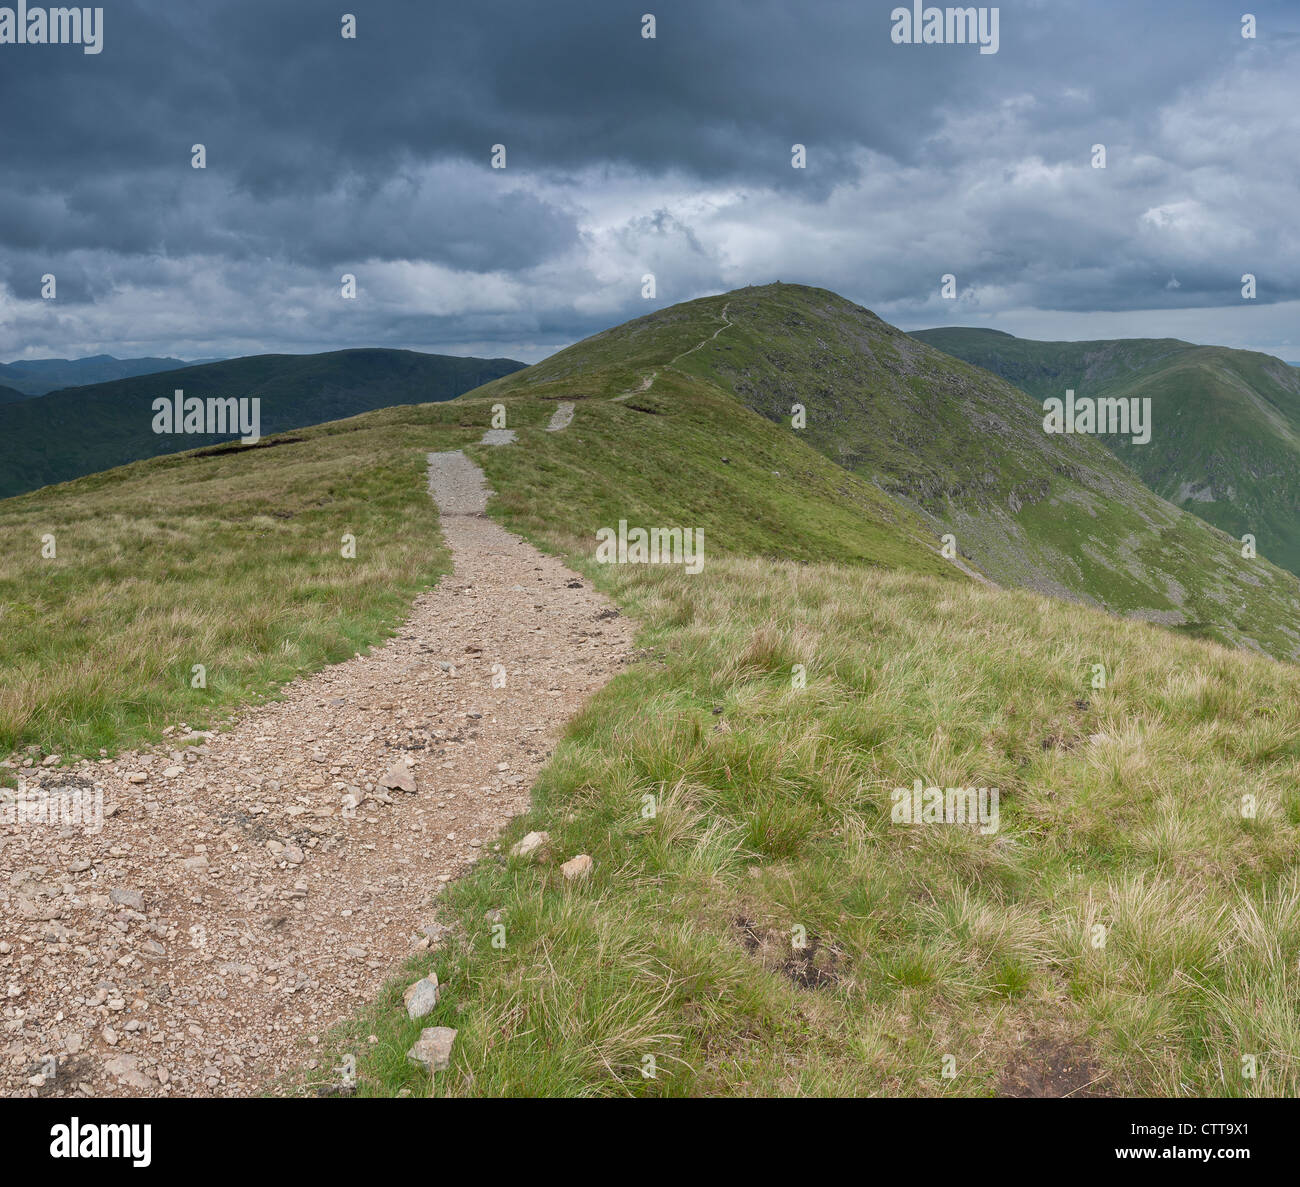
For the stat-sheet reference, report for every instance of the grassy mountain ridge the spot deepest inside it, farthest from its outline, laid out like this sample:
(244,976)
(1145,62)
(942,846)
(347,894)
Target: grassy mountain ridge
(85,430)
(1046,369)
(1226,423)
(951,441)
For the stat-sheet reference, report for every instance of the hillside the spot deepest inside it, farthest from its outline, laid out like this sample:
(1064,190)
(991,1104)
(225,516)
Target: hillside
(35,377)
(207,525)
(85,430)
(1225,439)
(10,396)
(1046,369)
(1054,513)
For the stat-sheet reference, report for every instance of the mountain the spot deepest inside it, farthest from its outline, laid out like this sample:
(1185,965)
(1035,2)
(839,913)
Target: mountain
(955,443)
(9,395)
(83,430)
(35,377)
(1225,441)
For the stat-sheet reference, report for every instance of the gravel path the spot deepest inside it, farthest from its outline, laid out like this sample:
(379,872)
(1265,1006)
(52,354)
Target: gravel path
(249,892)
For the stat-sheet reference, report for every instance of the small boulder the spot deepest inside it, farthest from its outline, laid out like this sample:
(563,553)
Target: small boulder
(577,867)
(530,844)
(421,997)
(432,1050)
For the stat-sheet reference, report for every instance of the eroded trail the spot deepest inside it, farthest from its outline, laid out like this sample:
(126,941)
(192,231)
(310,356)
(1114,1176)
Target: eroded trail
(246,894)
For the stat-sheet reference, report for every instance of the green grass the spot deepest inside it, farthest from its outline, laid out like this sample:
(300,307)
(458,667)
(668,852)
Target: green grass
(1119,807)
(961,449)
(230,561)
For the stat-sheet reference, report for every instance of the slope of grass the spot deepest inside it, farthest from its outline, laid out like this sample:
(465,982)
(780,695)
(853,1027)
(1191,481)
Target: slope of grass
(231,558)
(673,969)
(690,457)
(231,561)
(955,444)
(85,430)
(1046,369)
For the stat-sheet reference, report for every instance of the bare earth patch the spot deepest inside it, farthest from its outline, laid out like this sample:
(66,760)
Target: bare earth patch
(252,891)
(1051,1067)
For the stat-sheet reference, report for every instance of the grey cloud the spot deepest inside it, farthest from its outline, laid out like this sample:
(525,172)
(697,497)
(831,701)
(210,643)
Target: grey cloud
(372,157)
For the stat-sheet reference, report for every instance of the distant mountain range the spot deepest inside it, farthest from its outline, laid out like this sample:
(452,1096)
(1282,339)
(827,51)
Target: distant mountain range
(83,430)
(1225,443)
(35,377)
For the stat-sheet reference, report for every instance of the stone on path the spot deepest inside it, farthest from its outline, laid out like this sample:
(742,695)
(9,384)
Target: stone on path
(399,778)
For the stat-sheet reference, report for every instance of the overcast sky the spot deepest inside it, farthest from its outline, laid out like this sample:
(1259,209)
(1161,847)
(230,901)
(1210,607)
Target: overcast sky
(626,155)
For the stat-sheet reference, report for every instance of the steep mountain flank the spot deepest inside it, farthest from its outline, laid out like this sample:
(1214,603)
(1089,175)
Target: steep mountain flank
(1225,441)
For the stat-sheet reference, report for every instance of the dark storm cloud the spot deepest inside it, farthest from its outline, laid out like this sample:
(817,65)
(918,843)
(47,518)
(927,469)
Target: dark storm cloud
(627,155)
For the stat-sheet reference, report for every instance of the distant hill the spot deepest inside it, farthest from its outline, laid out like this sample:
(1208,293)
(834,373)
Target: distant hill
(9,396)
(83,430)
(35,377)
(1225,441)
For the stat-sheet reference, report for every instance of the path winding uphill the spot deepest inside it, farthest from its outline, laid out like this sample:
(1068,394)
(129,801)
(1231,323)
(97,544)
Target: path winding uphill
(647,381)
(247,893)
